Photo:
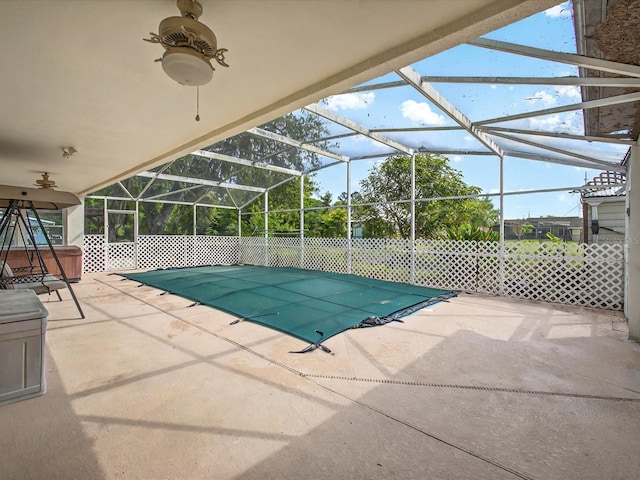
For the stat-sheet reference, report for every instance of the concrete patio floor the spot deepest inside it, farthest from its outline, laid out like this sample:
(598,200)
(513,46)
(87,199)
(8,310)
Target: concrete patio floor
(478,387)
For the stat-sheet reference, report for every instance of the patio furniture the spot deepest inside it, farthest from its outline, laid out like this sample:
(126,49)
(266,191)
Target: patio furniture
(16,227)
(23,325)
(30,278)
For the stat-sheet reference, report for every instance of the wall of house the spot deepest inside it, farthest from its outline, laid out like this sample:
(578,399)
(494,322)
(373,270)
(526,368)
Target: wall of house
(611,217)
(73,219)
(632,284)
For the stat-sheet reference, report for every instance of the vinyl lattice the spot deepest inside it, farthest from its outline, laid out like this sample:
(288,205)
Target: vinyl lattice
(94,254)
(584,275)
(163,251)
(121,256)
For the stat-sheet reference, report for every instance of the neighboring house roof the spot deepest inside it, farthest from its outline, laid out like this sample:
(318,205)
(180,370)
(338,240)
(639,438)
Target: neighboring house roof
(559,221)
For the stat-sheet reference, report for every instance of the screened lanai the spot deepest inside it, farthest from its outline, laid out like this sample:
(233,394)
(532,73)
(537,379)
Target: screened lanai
(217,177)
(544,135)
(525,372)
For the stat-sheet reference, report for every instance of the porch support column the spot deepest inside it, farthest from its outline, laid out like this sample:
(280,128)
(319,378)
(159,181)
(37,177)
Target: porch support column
(501,254)
(301,221)
(105,241)
(349,246)
(413,219)
(240,260)
(594,204)
(632,284)
(73,218)
(136,232)
(266,228)
(194,219)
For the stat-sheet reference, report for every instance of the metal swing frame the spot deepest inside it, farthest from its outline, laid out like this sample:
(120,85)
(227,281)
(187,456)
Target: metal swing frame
(34,277)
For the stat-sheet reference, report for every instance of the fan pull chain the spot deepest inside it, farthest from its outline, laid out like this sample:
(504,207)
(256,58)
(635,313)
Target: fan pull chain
(198,103)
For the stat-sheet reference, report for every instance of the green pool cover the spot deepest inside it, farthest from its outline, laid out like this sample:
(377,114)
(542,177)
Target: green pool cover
(308,304)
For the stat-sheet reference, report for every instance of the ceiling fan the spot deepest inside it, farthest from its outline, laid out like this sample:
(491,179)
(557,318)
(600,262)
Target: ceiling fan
(189,46)
(44,183)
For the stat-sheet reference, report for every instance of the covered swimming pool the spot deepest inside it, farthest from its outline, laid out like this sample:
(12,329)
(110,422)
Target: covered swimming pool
(307,304)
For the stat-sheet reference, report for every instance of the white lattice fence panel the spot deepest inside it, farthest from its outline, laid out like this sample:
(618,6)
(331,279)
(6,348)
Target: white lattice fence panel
(398,261)
(93,254)
(384,259)
(284,252)
(528,267)
(121,256)
(448,264)
(488,267)
(326,254)
(210,250)
(585,275)
(162,251)
(368,257)
(252,251)
(605,272)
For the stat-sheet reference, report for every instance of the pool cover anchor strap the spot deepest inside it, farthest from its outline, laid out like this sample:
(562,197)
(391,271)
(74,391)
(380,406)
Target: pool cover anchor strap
(313,346)
(238,320)
(374,321)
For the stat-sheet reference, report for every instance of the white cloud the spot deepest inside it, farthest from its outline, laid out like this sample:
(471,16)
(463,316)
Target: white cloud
(543,97)
(548,99)
(494,190)
(570,91)
(546,123)
(493,87)
(350,101)
(469,139)
(420,112)
(562,10)
(565,122)
(363,142)
(456,158)
(360,139)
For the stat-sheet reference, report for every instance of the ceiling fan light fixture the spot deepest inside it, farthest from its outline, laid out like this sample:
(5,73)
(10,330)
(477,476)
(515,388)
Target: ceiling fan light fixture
(187,67)
(44,183)
(189,46)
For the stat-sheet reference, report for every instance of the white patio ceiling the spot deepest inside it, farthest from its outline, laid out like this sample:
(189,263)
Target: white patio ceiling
(77,73)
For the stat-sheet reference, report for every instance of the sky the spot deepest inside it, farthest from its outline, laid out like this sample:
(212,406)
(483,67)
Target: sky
(404,107)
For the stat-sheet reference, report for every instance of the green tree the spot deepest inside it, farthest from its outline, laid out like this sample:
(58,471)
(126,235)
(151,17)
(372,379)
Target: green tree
(483,213)
(390,182)
(334,222)
(326,198)
(181,221)
(520,228)
(162,217)
(467,231)
(303,127)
